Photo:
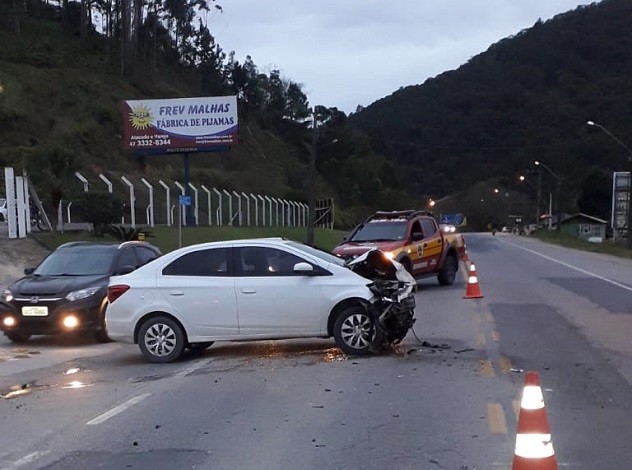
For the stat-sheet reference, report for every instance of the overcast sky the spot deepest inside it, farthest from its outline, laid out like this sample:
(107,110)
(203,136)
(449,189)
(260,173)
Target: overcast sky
(353,52)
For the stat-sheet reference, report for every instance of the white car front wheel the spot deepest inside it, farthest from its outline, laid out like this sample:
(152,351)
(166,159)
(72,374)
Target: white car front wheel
(354,331)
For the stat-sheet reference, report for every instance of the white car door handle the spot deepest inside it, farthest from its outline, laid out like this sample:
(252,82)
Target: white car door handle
(176,292)
(248,290)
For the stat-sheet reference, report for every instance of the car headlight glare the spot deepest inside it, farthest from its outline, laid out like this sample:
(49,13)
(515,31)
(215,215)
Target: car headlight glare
(71,321)
(7,296)
(82,293)
(389,254)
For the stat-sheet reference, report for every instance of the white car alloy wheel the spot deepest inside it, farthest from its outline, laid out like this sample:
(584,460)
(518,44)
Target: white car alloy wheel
(161,339)
(354,331)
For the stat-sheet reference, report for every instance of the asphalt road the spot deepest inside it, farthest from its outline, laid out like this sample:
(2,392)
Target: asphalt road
(444,399)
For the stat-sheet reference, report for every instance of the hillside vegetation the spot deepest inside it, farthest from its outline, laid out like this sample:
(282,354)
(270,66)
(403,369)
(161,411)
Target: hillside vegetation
(462,138)
(527,98)
(61,113)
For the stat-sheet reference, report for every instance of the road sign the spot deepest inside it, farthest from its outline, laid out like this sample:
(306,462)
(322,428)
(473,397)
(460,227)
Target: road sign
(184,200)
(452,219)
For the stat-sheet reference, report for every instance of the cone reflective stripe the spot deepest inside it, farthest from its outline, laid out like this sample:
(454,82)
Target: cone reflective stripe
(534,446)
(473,290)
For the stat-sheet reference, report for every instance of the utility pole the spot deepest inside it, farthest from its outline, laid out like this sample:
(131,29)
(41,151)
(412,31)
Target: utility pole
(311,176)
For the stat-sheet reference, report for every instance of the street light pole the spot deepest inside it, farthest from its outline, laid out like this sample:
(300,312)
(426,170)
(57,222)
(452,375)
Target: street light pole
(311,175)
(628,242)
(558,186)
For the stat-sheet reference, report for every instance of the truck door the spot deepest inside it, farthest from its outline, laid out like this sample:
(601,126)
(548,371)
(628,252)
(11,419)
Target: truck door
(427,247)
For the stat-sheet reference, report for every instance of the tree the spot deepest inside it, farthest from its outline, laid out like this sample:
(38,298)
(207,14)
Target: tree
(100,209)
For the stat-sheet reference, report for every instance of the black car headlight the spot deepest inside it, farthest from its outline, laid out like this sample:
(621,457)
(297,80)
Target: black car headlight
(7,295)
(82,293)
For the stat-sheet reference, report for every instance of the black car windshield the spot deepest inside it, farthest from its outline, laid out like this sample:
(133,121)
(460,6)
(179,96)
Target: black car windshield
(78,261)
(381,231)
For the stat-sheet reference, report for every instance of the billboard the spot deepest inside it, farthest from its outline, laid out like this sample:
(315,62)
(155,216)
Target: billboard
(621,197)
(180,125)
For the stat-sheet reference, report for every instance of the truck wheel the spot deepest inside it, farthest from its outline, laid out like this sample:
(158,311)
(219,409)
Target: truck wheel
(448,272)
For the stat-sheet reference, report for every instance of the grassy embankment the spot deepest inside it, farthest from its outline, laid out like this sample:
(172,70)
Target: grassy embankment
(168,238)
(617,248)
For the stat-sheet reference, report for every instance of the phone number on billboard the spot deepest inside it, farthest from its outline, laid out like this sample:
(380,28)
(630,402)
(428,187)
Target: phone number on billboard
(149,142)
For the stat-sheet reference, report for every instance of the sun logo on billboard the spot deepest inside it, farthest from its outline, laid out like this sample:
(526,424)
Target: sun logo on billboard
(140,117)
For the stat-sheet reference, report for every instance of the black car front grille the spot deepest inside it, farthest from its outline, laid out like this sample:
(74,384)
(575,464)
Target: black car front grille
(87,310)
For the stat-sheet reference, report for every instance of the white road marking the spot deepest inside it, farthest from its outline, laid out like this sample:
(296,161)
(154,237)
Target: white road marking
(132,401)
(118,409)
(25,460)
(190,369)
(583,271)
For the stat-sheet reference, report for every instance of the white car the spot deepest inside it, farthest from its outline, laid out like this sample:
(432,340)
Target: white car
(258,289)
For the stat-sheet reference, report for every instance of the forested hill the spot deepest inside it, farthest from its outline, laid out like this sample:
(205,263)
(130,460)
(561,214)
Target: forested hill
(528,97)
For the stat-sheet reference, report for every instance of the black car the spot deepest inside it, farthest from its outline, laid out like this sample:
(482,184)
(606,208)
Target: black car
(67,291)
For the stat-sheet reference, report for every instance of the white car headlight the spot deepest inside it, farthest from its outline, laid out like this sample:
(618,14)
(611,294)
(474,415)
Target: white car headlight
(7,295)
(82,293)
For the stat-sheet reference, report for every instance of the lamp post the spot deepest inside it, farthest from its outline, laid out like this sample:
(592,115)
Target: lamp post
(628,242)
(311,176)
(558,184)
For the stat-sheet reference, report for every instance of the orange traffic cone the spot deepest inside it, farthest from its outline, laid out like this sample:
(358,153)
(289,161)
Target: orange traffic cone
(465,257)
(534,448)
(473,290)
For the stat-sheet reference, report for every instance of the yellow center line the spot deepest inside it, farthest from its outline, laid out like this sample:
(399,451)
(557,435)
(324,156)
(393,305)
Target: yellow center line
(496,418)
(505,365)
(487,370)
(495,336)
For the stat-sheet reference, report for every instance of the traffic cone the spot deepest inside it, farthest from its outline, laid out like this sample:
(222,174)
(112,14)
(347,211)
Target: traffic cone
(534,447)
(465,257)
(473,290)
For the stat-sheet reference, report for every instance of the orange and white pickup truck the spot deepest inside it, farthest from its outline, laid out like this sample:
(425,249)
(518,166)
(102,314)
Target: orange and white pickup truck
(414,238)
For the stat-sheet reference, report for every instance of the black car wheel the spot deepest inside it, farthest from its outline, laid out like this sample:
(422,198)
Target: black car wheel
(101,333)
(17,336)
(161,339)
(354,331)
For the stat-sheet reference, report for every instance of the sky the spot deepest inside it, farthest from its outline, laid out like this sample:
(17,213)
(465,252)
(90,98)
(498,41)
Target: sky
(347,53)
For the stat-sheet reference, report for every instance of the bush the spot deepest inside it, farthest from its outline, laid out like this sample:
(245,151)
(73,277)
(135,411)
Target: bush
(101,209)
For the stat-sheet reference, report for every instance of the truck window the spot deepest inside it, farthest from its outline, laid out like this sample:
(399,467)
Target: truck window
(429,227)
(416,228)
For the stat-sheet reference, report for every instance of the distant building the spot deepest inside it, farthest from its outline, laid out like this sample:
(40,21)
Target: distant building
(584,226)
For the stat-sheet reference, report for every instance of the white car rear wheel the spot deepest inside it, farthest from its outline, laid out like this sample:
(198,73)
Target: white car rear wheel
(161,339)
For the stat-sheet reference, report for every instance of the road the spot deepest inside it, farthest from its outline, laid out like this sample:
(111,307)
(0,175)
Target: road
(446,398)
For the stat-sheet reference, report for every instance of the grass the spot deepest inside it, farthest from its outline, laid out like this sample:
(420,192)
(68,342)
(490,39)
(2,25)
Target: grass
(168,238)
(617,249)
